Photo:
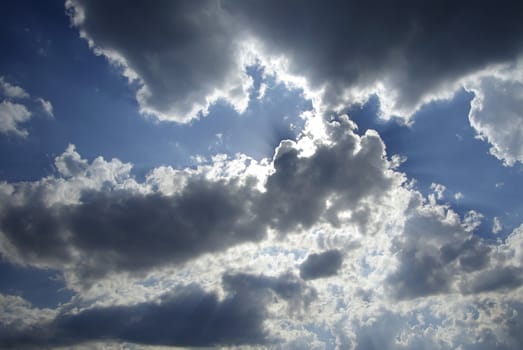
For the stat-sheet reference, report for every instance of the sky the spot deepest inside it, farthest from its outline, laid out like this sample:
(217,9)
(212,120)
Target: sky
(261,174)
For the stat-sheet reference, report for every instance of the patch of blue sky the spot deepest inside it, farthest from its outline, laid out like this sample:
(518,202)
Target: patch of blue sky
(42,288)
(441,147)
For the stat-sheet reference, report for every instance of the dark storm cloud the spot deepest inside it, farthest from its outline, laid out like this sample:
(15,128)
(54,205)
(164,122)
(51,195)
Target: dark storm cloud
(181,50)
(413,46)
(321,265)
(189,317)
(121,230)
(127,232)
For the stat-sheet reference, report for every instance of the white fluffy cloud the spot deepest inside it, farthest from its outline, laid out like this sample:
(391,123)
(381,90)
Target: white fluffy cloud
(496,112)
(14,114)
(12,91)
(11,116)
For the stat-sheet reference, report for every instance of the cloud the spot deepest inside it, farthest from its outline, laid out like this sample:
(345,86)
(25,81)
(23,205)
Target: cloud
(46,106)
(406,52)
(189,317)
(434,249)
(320,265)
(95,219)
(192,55)
(438,190)
(182,53)
(496,115)
(413,262)
(497,226)
(11,116)
(286,286)
(185,316)
(125,231)
(14,114)
(342,176)
(12,91)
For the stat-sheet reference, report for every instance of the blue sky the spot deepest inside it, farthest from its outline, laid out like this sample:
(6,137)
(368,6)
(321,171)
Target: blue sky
(229,167)
(452,156)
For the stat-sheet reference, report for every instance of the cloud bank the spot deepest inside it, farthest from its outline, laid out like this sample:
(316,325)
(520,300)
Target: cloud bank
(382,246)
(408,54)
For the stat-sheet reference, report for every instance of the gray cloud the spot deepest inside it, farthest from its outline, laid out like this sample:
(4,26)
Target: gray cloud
(504,278)
(114,228)
(438,255)
(321,265)
(181,51)
(122,231)
(342,173)
(188,316)
(413,48)
(433,252)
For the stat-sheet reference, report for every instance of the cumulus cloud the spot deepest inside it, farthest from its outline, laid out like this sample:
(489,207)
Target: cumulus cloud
(391,255)
(115,229)
(192,55)
(496,115)
(182,53)
(433,249)
(95,219)
(185,316)
(406,53)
